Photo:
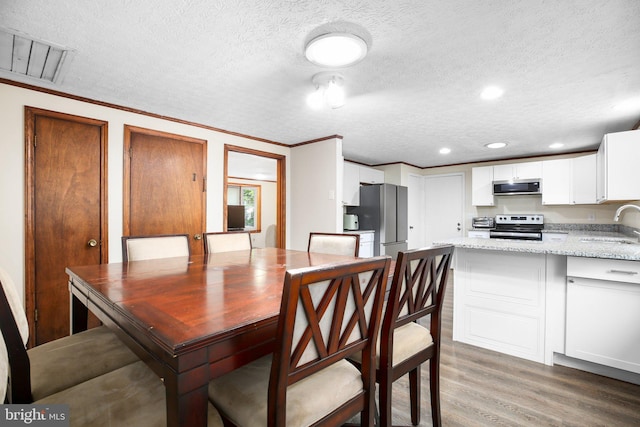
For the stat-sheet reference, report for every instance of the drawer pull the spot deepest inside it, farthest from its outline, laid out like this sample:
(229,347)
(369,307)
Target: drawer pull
(630,273)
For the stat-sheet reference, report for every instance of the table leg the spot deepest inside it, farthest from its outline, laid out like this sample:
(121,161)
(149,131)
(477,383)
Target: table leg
(79,314)
(187,398)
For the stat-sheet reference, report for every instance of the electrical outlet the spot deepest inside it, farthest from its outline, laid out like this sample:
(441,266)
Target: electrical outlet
(591,216)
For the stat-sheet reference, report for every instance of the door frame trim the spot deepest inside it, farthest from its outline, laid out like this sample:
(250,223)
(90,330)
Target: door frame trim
(281,201)
(126,176)
(30,114)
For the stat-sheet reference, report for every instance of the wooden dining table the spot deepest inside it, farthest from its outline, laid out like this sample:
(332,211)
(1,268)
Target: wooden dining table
(191,319)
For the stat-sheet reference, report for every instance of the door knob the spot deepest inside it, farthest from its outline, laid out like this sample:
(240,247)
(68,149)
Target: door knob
(197,236)
(92,243)
(411,227)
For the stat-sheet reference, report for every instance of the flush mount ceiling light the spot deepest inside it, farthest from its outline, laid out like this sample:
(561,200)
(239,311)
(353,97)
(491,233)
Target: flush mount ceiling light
(336,50)
(556,145)
(491,92)
(495,145)
(445,150)
(329,91)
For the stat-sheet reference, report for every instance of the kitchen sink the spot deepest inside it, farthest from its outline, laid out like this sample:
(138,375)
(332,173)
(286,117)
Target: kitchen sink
(609,240)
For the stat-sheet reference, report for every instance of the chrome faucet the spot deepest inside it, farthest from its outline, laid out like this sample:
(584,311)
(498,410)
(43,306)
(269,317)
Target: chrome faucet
(623,207)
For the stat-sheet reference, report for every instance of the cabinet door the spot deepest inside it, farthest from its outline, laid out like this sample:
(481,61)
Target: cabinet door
(503,172)
(602,322)
(528,170)
(618,172)
(371,175)
(351,184)
(583,180)
(556,182)
(482,186)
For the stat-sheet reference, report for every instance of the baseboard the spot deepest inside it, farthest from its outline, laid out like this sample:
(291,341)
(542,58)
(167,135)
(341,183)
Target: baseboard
(606,371)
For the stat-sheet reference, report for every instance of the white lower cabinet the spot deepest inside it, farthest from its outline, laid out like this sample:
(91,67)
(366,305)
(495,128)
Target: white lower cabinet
(499,301)
(366,245)
(603,312)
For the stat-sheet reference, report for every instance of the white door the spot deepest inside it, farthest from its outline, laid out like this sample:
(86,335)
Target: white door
(416,212)
(443,207)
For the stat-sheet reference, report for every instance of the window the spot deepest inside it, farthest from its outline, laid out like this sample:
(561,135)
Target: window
(248,196)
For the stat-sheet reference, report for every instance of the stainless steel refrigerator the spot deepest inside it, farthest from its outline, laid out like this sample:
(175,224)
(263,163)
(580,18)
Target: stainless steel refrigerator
(383,208)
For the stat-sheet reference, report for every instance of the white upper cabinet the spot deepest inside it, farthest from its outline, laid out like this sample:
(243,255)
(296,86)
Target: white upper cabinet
(584,180)
(482,186)
(527,170)
(353,175)
(371,176)
(351,184)
(569,181)
(556,182)
(617,171)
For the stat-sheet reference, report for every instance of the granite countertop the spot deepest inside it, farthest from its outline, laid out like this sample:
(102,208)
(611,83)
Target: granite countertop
(591,244)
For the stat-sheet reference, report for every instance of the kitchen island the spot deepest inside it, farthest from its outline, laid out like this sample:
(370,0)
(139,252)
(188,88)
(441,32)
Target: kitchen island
(511,296)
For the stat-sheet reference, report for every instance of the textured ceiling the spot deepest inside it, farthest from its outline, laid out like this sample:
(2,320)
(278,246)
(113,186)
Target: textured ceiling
(239,66)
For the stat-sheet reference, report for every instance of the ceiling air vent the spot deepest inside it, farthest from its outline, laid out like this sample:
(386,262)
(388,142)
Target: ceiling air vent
(20,54)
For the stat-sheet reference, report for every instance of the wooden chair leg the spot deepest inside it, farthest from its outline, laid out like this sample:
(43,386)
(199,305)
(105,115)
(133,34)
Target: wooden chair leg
(414,394)
(434,382)
(384,397)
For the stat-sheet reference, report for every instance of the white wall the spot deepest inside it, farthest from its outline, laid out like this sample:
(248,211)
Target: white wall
(12,147)
(316,190)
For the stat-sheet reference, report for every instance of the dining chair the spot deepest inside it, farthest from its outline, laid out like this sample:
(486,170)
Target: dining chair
(131,395)
(138,248)
(227,241)
(417,290)
(327,313)
(54,366)
(334,243)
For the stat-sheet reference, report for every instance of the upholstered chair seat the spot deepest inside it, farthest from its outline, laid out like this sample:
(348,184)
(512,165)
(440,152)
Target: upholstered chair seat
(130,396)
(249,385)
(407,341)
(56,365)
(71,360)
(334,243)
(138,248)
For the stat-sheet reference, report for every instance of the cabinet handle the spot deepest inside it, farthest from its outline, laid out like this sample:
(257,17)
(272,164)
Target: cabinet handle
(630,273)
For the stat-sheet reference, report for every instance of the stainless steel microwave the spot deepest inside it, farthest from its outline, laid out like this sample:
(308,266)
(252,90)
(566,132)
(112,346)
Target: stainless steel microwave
(514,187)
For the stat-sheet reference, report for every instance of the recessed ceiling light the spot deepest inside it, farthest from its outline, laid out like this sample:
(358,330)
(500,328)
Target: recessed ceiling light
(491,92)
(445,150)
(496,145)
(336,50)
(556,145)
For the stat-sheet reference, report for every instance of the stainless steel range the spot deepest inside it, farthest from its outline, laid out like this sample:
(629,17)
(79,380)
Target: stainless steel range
(518,227)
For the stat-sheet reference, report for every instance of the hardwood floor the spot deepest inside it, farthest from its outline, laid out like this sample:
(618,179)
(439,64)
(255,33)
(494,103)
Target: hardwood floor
(484,388)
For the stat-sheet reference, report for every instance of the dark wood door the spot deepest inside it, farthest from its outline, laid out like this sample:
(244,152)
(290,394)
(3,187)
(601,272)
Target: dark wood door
(165,181)
(66,186)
